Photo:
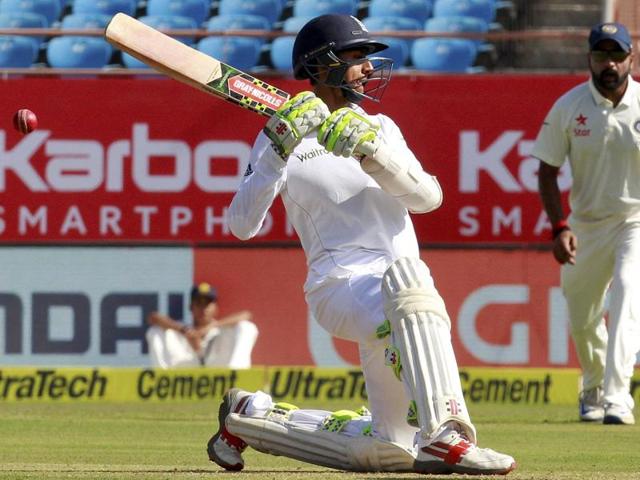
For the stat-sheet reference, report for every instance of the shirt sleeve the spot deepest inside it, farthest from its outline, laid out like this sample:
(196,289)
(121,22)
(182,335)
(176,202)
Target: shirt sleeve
(263,181)
(394,138)
(552,144)
(423,193)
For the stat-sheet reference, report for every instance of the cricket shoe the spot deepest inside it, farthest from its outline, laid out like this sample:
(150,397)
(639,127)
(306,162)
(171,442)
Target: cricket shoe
(452,452)
(591,405)
(224,448)
(618,415)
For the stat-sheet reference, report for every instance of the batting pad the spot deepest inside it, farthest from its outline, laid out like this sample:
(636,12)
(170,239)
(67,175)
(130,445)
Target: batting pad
(420,332)
(321,447)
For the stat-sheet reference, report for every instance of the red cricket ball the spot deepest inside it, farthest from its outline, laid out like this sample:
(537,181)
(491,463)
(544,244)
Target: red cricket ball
(25,121)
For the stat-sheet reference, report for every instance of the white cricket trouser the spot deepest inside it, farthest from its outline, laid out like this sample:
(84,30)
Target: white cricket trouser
(351,308)
(608,258)
(222,347)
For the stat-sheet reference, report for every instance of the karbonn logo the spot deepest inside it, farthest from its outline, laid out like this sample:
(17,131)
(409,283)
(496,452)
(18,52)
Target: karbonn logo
(491,161)
(249,89)
(311,384)
(88,165)
(47,384)
(504,163)
(156,384)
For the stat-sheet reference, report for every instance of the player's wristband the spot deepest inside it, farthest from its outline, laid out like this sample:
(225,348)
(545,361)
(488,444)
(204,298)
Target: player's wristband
(558,228)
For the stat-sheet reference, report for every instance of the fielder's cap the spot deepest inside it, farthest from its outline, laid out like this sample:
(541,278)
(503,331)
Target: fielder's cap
(610,31)
(204,290)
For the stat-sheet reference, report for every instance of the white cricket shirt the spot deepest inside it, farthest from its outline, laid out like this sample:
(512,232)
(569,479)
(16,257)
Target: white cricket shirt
(602,144)
(344,220)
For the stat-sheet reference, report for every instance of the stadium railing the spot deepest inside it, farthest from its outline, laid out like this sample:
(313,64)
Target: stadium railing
(501,37)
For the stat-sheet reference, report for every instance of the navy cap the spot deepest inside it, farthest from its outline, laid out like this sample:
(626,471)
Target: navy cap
(204,290)
(610,31)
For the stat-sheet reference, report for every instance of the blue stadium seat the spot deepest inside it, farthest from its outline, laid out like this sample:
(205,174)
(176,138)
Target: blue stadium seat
(314,8)
(24,20)
(419,10)
(84,20)
(281,48)
(131,62)
(104,7)
(239,22)
(445,55)
(49,9)
(198,10)
(269,9)
(280,54)
(77,52)
(87,21)
(483,9)
(398,51)
(399,48)
(294,23)
(240,52)
(457,24)
(388,22)
(17,52)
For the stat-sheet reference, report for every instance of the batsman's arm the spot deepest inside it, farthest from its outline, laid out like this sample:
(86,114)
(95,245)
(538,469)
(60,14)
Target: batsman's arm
(262,183)
(383,154)
(390,162)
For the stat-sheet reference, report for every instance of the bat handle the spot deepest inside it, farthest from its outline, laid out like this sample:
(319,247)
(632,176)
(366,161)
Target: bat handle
(365,149)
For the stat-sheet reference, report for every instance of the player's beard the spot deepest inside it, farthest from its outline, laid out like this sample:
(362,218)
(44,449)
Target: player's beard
(609,79)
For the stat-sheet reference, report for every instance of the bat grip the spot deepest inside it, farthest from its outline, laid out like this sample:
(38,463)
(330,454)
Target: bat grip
(365,149)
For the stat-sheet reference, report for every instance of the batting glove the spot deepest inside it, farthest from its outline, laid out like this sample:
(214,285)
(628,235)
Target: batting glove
(294,120)
(345,132)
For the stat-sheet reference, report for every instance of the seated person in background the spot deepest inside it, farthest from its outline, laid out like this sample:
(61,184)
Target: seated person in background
(209,341)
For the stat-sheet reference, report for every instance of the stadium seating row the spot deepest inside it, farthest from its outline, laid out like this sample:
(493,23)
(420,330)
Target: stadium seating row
(272,10)
(429,54)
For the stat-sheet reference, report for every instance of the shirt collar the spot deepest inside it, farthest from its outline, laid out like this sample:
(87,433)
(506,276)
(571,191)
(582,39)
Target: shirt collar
(627,99)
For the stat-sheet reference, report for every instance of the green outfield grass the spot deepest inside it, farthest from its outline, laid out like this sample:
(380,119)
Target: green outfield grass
(138,441)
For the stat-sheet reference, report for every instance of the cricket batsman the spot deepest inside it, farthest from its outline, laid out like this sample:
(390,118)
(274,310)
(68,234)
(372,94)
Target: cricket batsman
(348,181)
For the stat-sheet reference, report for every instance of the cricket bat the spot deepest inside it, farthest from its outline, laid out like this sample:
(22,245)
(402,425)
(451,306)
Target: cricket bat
(188,65)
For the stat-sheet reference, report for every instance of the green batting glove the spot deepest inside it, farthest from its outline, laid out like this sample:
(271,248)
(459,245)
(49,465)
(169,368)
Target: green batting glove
(296,118)
(345,130)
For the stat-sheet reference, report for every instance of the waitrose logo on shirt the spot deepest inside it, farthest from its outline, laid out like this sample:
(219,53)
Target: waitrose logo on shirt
(316,152)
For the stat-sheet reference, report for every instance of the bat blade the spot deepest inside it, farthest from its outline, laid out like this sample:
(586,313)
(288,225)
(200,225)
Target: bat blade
(188,65)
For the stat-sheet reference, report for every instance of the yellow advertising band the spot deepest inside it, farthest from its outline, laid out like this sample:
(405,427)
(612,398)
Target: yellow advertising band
(530,386)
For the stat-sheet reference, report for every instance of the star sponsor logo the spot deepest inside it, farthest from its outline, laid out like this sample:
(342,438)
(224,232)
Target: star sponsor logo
(636,126)
(581,132)
(581,119)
